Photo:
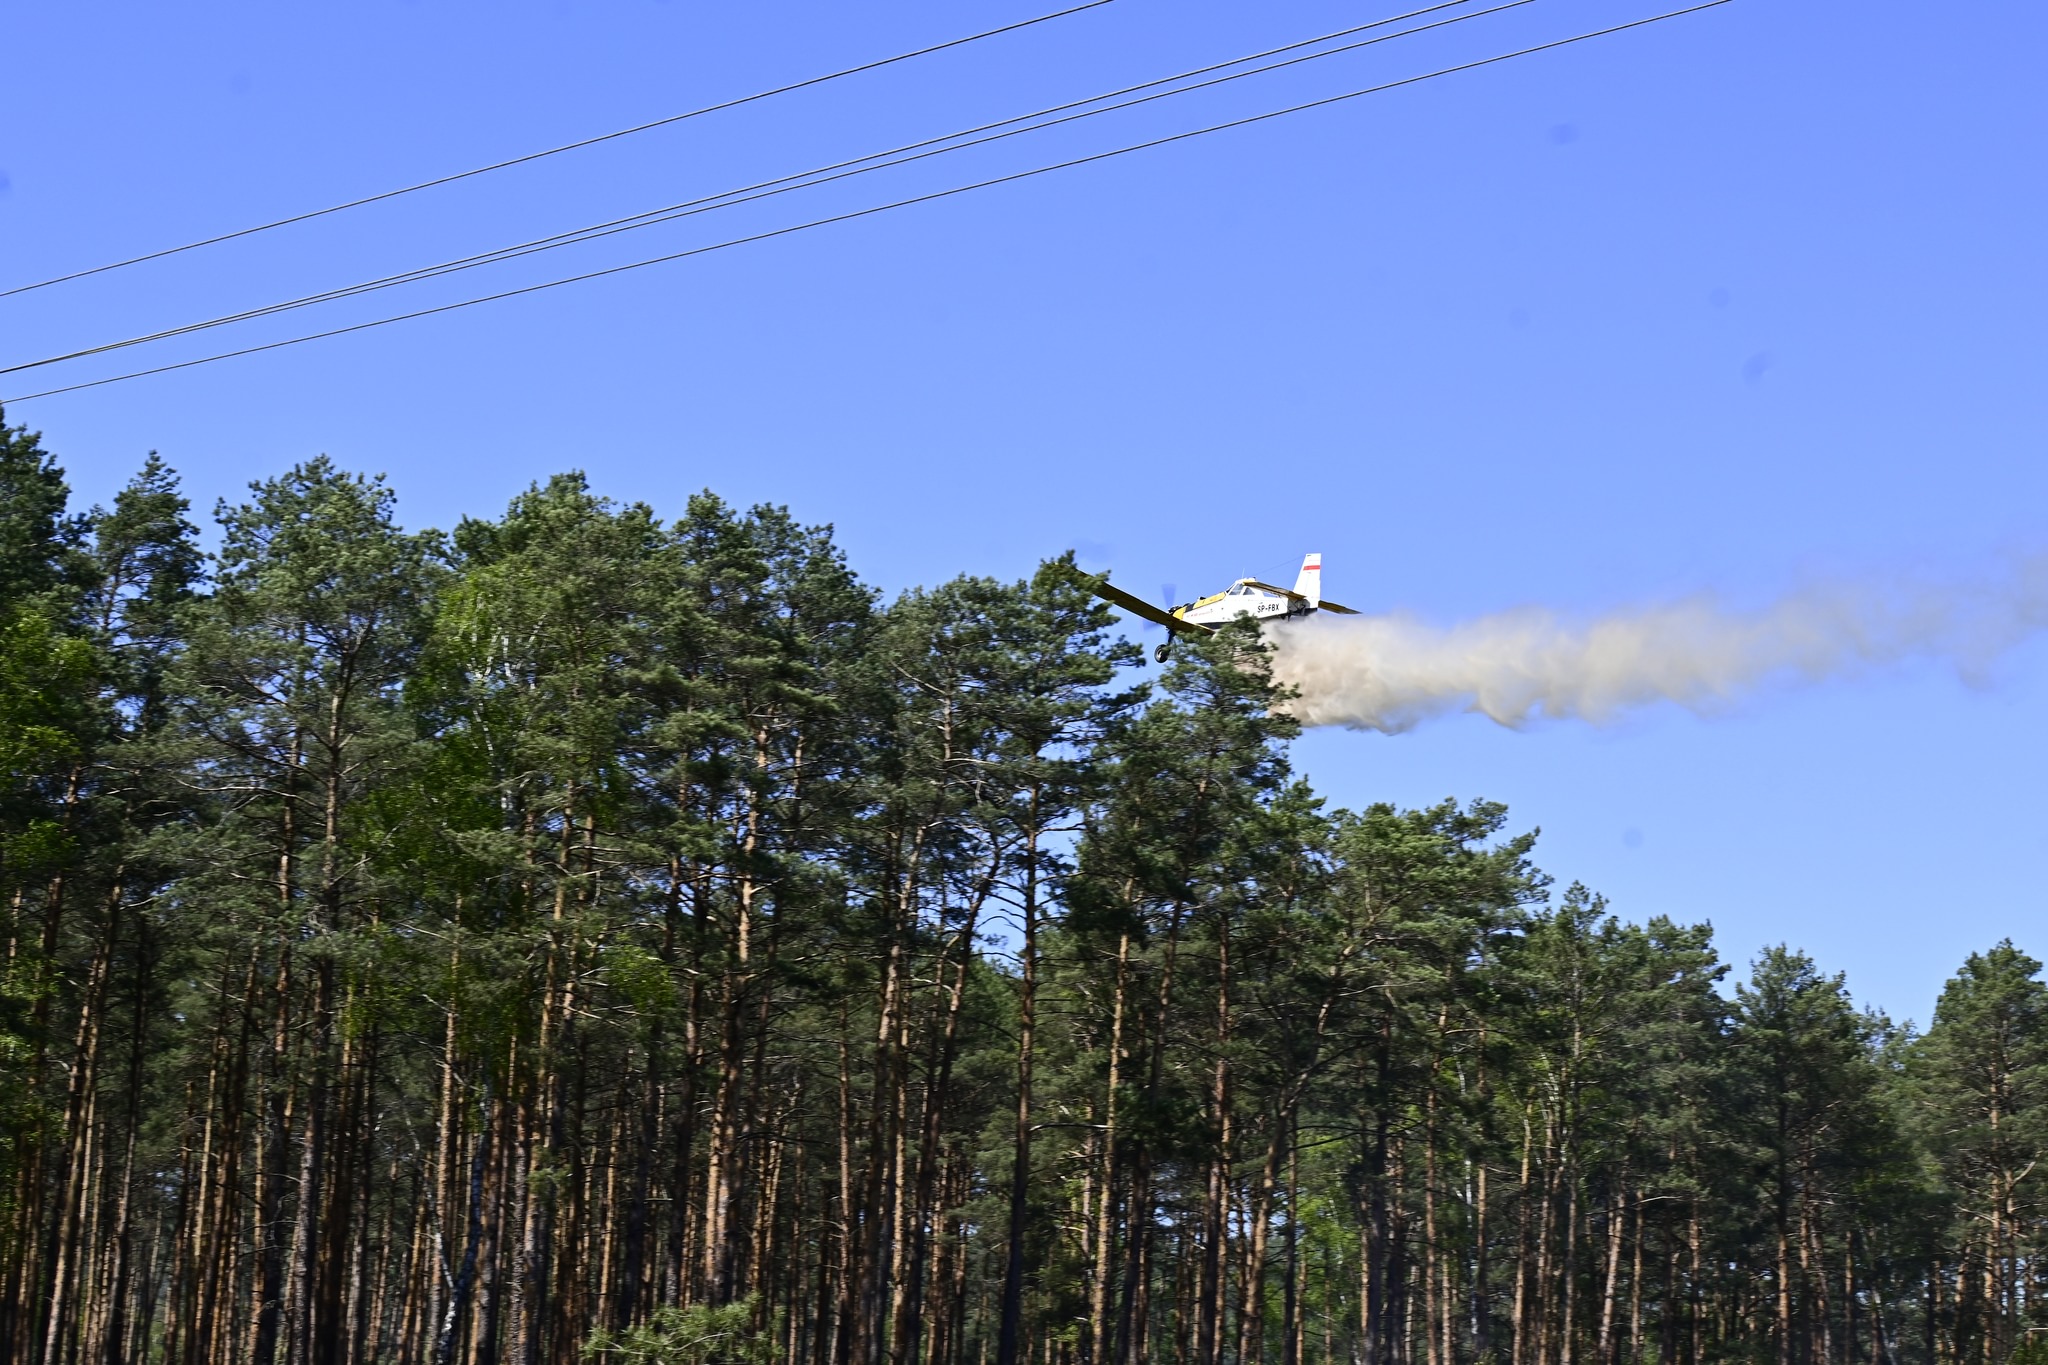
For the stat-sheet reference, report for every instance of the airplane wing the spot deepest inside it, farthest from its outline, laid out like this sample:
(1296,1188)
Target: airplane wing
(1339,607)
(1275,588)
(1137,606)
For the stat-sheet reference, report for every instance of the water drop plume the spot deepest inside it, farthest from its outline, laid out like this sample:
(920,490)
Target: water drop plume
(1391,672)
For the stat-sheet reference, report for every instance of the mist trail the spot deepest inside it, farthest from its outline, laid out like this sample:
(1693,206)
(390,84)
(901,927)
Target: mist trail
(1392,672)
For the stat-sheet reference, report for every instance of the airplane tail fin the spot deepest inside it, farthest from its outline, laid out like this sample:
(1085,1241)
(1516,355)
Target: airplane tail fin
(1310,582)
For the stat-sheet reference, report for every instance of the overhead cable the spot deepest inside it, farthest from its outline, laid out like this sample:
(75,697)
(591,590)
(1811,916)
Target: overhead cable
(896,204)
(556,151)
(823,175)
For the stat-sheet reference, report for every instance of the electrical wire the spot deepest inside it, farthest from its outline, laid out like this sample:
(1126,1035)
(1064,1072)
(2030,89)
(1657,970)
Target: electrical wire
(555,151)
(896,204)
(821,175)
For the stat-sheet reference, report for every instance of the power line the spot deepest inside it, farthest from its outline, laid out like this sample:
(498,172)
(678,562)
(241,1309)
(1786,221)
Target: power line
(896,204)
(816,176)
(881,208)
(797,180)
(555,151)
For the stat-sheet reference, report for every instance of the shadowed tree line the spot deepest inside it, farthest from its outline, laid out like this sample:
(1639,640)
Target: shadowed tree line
(592,935)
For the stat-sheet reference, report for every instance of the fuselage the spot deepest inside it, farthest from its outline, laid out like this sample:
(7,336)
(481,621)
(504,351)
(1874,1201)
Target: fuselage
(1240,599)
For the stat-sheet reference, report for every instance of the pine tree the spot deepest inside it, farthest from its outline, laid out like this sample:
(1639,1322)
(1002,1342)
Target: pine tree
(49,727)
(1805,1054)
(1983,1077)
(291,688)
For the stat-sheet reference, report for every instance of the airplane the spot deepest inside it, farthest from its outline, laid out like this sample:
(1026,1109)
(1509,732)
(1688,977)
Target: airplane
(1245,597)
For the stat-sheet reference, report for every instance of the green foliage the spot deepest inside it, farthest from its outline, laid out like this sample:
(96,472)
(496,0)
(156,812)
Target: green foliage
(640,977)
(38,542)
(46,680)
(701,1334)
(2032,1350)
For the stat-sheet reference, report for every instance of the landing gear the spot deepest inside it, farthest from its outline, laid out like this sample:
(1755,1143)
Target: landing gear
(1162,652)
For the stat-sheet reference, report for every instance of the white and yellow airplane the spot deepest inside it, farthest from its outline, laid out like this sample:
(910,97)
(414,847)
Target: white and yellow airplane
(1245,597)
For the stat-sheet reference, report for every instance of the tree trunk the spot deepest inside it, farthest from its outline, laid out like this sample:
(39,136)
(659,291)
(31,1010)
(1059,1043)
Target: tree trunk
(1209,1305)
(1617,1219)
(1105,1197)
(1009,1332)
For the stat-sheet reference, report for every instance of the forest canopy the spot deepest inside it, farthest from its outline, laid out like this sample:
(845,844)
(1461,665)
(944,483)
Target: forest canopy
(591,934)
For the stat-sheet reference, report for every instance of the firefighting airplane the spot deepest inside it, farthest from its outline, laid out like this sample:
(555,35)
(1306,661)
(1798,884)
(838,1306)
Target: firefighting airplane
(1245,597)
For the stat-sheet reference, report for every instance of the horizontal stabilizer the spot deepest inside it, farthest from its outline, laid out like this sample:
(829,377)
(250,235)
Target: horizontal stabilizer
(1339,607)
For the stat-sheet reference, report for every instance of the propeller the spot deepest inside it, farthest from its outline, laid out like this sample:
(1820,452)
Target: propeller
(1167,596)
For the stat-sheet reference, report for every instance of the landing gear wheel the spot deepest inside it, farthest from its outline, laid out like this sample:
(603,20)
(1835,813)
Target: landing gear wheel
(1162,652)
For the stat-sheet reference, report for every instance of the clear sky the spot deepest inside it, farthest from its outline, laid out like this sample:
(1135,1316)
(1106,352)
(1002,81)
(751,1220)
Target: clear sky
(1716,304)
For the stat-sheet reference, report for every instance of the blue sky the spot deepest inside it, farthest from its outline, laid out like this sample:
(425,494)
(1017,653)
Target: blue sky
(1717,304)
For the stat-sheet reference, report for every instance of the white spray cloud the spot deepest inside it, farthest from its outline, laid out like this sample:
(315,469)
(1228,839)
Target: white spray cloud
(1391,672)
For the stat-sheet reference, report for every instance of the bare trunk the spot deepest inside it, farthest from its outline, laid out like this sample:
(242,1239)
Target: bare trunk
(1210,1295)
(1251,1321)
(1610,1284)
(1009,1344)
(1099,1283)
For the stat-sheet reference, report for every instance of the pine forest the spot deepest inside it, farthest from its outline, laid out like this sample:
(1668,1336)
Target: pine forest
(591,935)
